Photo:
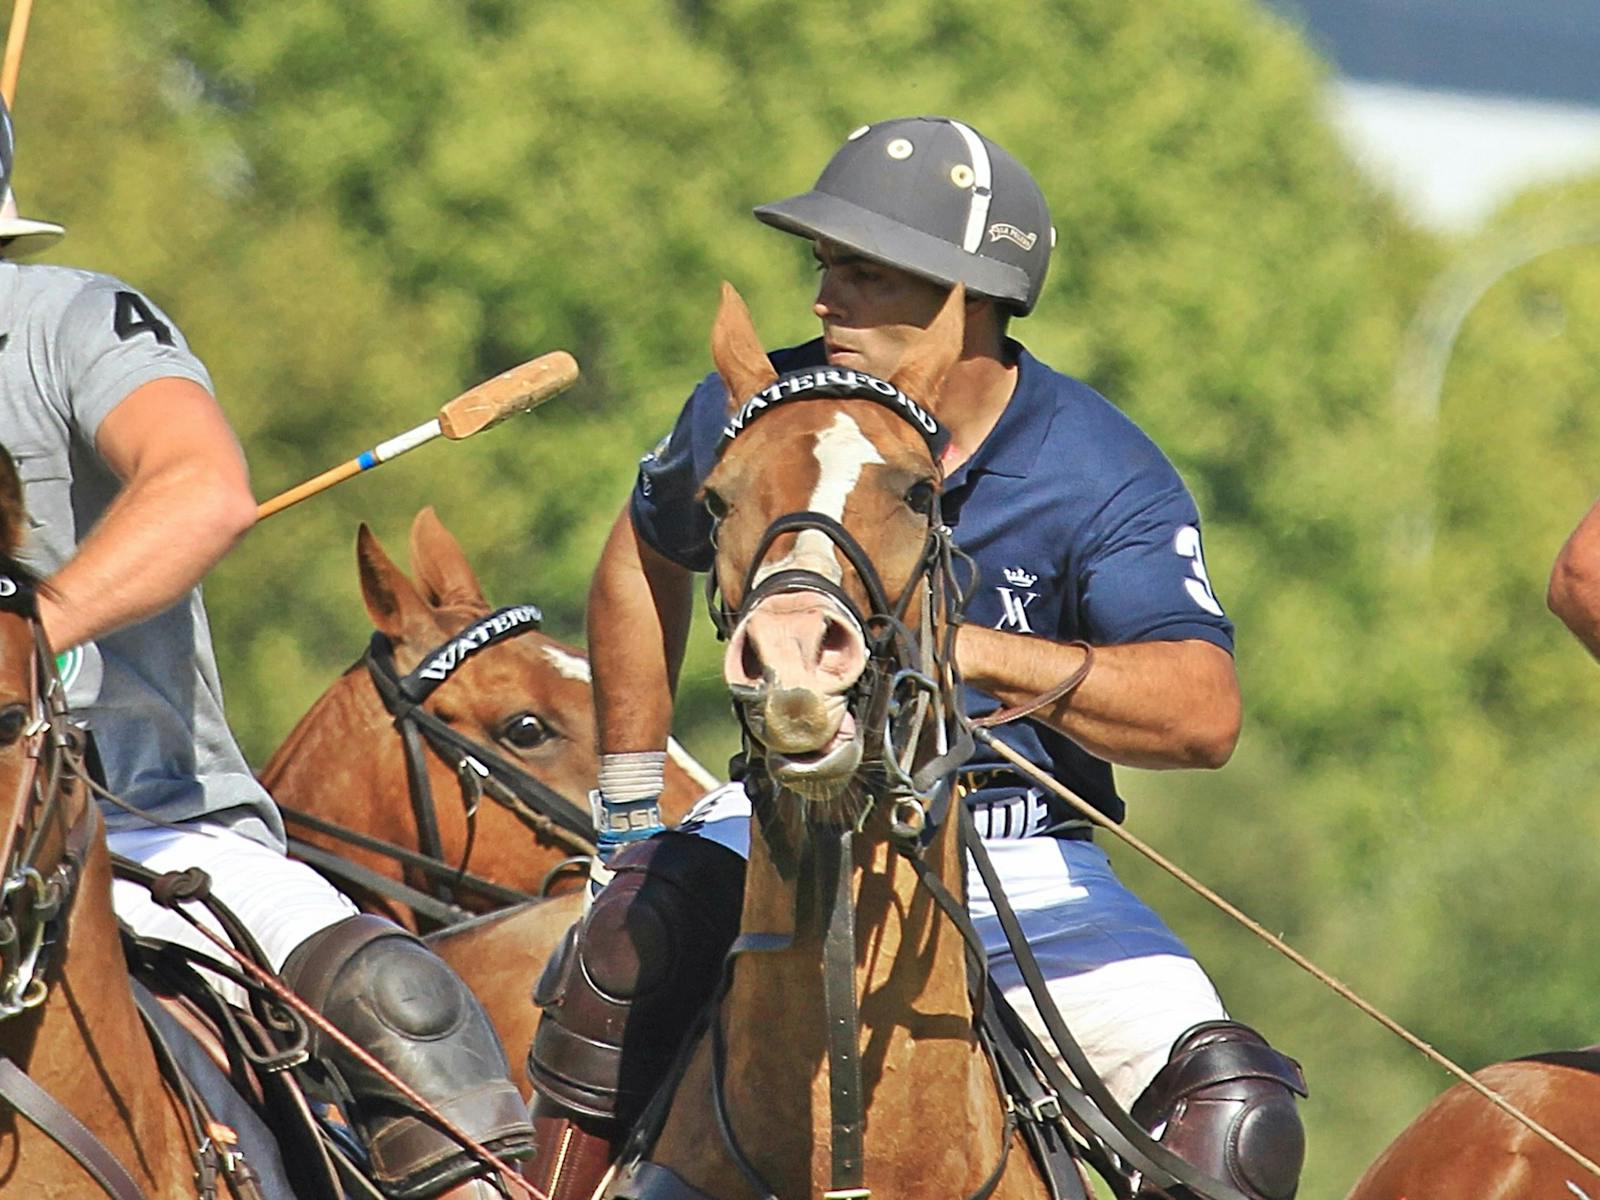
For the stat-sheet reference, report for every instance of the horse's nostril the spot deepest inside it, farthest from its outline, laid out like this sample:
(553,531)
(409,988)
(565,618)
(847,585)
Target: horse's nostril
(750,659)
(835,638)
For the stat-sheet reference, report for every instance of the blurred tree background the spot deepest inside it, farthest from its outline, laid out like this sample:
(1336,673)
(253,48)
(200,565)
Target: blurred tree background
(355,209)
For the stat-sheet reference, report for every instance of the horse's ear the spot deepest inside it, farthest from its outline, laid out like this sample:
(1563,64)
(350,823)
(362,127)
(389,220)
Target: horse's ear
(396,607)
(12,518)
(929,357)
(447,578)
(737,351)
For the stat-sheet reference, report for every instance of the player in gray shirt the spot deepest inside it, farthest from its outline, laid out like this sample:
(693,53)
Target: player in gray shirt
(135,486)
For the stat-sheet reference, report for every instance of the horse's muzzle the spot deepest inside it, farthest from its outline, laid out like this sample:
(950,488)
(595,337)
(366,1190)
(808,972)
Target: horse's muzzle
(790,663)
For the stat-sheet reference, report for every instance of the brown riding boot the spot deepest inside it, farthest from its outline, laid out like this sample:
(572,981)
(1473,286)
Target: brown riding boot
(571,1154)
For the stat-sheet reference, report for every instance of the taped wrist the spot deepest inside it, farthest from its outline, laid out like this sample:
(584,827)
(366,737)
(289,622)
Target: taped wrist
(635,776)
(627,806)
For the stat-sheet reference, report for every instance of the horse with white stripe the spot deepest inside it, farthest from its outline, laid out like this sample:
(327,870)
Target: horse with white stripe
(516,699)
(502,694)
(840,1056)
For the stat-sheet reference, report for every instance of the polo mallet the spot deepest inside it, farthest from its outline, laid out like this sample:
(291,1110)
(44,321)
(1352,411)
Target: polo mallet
(16,36)
(476,409)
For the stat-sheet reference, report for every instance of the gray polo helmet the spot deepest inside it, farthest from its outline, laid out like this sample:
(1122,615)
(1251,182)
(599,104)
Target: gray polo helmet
(934,197)
(19,236)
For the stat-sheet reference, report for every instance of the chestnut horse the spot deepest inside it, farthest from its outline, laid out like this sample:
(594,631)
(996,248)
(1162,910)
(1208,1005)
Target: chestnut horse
(493,690)
(1462,1145)
(798,1088)
(523,697)
(74,1054)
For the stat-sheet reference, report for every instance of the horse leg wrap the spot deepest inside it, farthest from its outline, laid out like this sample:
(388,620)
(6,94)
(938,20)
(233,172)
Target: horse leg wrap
(396,999)
(626,985)
(1225,1102)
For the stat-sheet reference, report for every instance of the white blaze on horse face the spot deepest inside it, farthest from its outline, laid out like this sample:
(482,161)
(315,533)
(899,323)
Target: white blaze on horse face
(842,450)
(568,665)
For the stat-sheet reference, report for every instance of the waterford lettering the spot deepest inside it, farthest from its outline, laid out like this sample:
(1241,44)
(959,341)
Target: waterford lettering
(491,629)
(828,381)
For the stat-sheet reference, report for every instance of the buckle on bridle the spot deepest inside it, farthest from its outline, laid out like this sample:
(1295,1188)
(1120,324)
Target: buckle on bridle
(1045,1108)
(908,817)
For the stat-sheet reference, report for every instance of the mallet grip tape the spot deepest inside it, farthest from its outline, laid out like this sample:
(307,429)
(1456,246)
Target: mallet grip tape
(399,444)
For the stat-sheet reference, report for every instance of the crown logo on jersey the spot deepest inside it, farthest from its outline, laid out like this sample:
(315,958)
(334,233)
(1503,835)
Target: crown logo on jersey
(1020,576)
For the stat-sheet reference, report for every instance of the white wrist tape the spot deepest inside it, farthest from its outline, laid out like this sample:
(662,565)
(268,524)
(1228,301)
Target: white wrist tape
(637,776)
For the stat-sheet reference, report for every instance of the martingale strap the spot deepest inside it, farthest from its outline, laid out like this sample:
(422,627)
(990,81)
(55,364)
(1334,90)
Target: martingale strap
(846,1103)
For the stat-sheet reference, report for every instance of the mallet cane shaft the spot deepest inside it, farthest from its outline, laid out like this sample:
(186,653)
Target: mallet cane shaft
(16,36)
(476,409)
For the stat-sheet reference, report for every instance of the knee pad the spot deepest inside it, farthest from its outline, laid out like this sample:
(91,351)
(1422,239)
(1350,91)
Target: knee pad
(400,1002)
(1225,1102)
(630,978)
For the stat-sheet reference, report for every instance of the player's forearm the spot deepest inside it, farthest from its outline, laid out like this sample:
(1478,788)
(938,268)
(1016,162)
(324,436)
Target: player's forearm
(1149,704)
(638,621)
(156,541)
(1574,593)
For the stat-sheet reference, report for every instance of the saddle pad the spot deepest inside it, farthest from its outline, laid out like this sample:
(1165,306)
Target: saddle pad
(256,1143)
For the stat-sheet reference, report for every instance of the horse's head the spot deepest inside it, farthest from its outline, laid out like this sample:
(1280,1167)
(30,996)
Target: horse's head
(47,823)
(17,668)
(529,700)
(825,520)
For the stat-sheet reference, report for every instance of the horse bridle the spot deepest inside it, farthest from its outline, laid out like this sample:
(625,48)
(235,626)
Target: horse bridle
(906,674)
(34,900)
(480,770)
(903,667)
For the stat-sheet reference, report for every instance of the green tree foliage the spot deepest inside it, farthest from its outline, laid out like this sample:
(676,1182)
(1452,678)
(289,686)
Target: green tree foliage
(357,209)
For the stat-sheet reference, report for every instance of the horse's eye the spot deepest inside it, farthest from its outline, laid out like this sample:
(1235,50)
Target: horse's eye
(920,496)
(524,731)
(716,505)
(13,720)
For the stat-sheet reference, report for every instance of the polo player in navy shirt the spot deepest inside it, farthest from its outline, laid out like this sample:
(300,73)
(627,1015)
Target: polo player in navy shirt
(1084,536)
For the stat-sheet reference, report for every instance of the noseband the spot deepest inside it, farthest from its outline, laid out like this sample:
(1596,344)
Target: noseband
(35,900)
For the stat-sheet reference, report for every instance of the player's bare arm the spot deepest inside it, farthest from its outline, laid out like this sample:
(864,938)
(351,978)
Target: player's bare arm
(1574,593)
(185,501)
(1146,704)
(638,624)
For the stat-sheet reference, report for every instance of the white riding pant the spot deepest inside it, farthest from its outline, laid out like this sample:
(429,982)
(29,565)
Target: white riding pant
(1125,985)
(280,901)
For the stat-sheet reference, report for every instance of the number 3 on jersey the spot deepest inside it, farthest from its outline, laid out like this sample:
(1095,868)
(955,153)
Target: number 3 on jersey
(1187,544)
(134,316)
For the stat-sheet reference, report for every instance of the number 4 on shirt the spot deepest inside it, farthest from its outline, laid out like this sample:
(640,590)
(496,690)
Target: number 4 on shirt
(134,316)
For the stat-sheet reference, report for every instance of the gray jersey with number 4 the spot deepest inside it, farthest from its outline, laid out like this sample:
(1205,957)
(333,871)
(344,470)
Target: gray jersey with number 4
(73,345)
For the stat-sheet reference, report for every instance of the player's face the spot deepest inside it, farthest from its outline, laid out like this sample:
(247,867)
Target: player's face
(870,312)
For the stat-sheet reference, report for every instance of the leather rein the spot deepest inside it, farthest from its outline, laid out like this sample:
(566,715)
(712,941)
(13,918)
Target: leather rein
(479,770)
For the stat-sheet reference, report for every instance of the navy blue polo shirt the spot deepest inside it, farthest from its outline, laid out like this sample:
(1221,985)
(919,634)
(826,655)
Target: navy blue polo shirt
(1078,524)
